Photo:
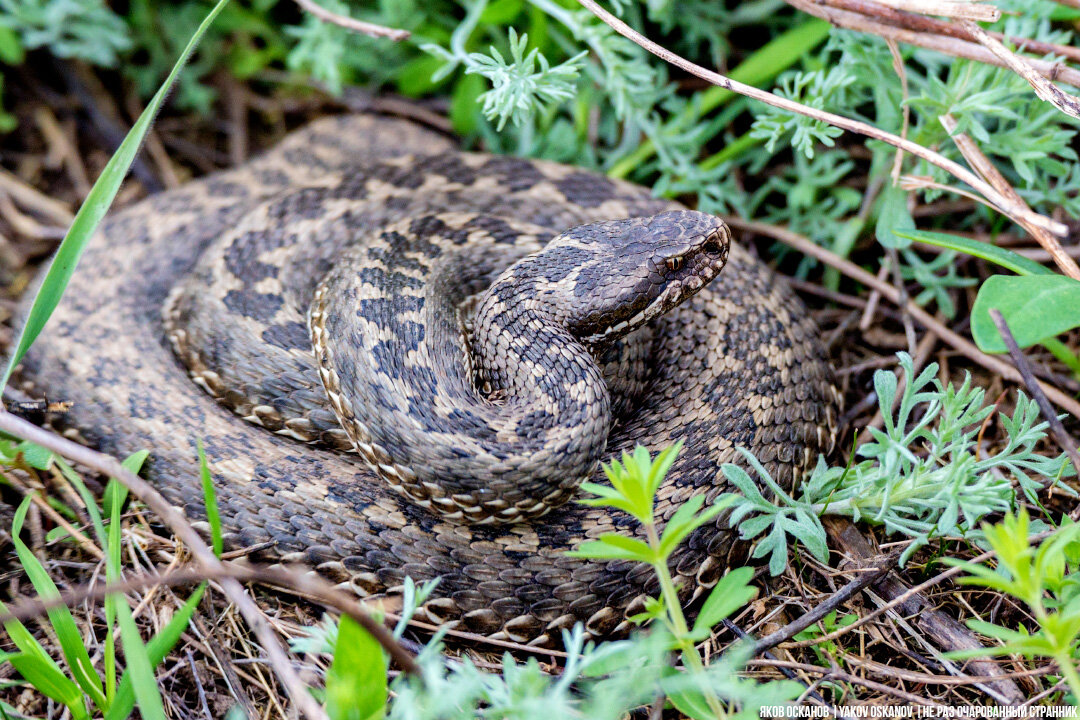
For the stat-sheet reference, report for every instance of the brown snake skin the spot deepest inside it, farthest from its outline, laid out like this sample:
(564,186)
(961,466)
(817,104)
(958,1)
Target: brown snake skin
(737,364)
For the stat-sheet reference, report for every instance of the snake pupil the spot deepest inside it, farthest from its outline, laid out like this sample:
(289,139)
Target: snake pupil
(674,263)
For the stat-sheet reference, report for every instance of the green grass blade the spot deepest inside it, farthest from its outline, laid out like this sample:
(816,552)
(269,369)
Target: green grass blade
(94,208)
(213,516)
(999,256)
(159,646)
(115,494)
(67,632)
(48,680)
(138,667)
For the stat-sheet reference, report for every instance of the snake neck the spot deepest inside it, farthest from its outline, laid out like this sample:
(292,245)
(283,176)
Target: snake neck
(390,354)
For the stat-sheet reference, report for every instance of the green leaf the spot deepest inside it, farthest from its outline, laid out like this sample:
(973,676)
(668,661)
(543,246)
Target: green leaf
(94,208)
(615,547)
(213,516)
(730,593)
(356,680)
(35,456)
(139,666)
(11,49)
(1036,307)
(67,632)
(1000,256)
(50,682)
(894,218)
(686,520)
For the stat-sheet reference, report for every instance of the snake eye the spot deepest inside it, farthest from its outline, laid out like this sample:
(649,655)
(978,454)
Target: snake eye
(674,263)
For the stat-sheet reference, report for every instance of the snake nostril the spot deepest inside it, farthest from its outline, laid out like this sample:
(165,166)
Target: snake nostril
(712,247)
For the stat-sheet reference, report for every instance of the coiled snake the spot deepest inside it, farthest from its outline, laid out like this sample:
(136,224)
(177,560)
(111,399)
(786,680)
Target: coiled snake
(386,239)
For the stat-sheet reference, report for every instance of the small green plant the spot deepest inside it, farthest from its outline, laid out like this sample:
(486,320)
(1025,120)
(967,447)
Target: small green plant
(634,483)
(923,475)
(598,682)
(1046,579)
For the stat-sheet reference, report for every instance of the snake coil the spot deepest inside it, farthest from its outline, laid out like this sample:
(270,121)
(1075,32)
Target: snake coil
(389,242)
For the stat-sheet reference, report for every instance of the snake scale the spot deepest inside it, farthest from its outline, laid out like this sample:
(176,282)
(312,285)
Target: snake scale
(475,412)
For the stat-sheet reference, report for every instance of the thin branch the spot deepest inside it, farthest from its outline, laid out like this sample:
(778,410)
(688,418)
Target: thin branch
(828,10)
(934,26)
(351,23)
(947,8)
(176,522)
(869,575)
(1002,203)
(297,582)
(960,344)
(982,165)
(1067,443)
(1045,89)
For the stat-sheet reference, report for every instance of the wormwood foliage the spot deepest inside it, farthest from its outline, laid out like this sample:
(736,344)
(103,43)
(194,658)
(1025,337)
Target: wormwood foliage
(923,475)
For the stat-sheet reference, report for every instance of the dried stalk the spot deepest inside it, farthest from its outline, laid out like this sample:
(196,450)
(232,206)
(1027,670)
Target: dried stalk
(351,23)
(963,346)
(1024,67)
(947,8)
(982,165)
(176,522)
(934,26)
(1002,203)
(940,43)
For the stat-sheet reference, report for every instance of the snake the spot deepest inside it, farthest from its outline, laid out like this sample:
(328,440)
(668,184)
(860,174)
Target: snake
(402,359)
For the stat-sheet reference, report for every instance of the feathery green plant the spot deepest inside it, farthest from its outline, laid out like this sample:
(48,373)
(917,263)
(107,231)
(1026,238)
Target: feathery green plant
(1046,579)
(923,476)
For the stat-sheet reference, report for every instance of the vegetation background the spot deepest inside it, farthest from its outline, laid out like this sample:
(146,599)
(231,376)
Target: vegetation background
(953,465)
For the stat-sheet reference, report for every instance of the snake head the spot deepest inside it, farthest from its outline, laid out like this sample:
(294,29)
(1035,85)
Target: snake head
(641,269)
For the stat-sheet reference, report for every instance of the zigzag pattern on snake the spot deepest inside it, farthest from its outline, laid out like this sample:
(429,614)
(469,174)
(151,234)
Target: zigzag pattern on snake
(225,270)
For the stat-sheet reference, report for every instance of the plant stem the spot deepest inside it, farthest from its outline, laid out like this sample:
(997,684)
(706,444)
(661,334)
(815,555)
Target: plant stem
(678,620)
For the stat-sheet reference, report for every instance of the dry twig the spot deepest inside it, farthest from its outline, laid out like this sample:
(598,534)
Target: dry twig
(946,43)
(351,23)
(1025,68)
(960,344)
(1062,437)
(990,173)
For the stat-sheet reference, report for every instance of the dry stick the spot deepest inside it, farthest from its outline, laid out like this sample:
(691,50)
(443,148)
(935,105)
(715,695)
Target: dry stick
(919,616)
(1062,437)
(940,43)
(1002,203)
(352,24)
(960,344)
(1045,89)
(982,165)
(967,11)
(298,582)
(182,529)
(934,26)
(842,595)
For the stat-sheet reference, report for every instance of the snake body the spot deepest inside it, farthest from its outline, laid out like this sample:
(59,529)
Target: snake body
(482,330)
